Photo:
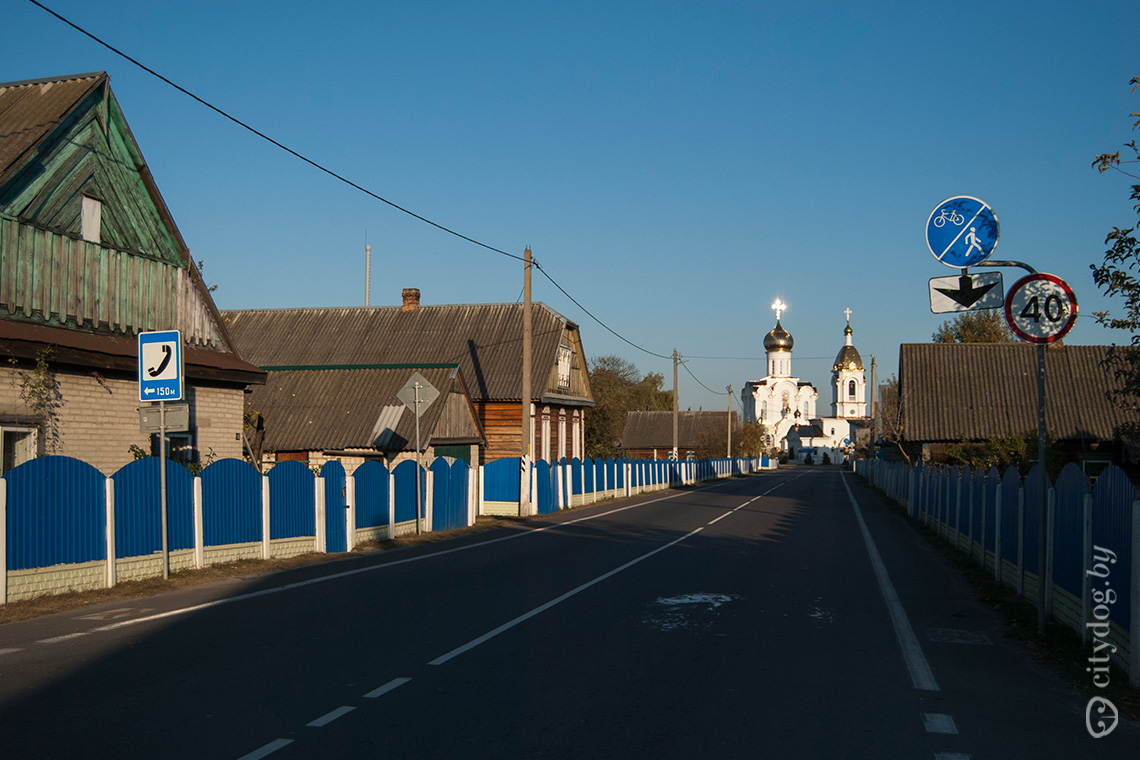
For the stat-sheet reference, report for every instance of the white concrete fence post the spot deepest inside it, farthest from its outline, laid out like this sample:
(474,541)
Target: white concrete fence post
(1021,541)
(109,507)
(199,526)
(1050,523)
(266,551)
(320,542)
(349,512)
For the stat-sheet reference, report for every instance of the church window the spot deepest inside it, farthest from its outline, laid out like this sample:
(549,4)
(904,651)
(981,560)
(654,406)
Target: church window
(851,389)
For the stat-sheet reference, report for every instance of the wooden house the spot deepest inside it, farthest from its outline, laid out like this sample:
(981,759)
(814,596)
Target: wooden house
(483,340)
(90,257)
(649,435)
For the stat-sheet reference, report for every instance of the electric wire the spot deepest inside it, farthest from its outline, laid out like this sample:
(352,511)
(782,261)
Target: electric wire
(380,198)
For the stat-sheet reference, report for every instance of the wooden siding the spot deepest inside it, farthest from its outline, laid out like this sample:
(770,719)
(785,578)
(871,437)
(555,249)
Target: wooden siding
(59,280)
(502,423)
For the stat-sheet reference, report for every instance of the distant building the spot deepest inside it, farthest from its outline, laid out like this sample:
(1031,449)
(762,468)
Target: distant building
(649,435)
(480,345)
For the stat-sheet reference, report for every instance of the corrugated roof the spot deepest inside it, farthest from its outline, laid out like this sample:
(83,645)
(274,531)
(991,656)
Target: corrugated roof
(485,340)
(31,109)
(976,391)
(654,430)
(308,410)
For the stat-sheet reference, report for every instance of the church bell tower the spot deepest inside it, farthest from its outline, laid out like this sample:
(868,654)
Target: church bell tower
(848,381)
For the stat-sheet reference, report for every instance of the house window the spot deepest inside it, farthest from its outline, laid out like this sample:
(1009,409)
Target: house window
(179,448)
(19,445)
(92,219)
(565,354)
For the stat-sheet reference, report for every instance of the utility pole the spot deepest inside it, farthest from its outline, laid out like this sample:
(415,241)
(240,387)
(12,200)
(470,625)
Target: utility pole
(874,395)
(527,392)
(676,408)
(729,454)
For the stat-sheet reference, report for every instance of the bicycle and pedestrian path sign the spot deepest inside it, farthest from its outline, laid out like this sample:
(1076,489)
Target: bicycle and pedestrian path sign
(962,231)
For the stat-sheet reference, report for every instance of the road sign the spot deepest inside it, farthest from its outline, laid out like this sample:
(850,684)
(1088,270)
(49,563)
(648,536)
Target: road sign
(177,418)
(962,231)
(965,292)
(160,366)
(1040,308)
(426,394)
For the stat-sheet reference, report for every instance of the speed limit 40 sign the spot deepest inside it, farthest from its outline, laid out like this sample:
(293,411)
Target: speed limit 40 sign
(1040,308)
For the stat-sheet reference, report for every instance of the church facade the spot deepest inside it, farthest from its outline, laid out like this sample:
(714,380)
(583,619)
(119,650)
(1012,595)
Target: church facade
(779,401)
(786,405)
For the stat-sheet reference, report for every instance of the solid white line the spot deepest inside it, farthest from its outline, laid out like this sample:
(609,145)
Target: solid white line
(9,651)
(557,600)
(920,673)
(393,684)
(267,750)
(328,718)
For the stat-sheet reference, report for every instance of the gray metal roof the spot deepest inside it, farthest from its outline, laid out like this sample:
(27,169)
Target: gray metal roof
(654,430)
(485,340)
(31,109)
(976,391)
(316,409)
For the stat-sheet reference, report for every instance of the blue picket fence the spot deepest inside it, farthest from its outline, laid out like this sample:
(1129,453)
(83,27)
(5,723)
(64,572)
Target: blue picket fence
(994,518)
(59,511)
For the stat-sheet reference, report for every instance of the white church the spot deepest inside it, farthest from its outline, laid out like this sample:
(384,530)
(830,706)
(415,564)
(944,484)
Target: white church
(786,405)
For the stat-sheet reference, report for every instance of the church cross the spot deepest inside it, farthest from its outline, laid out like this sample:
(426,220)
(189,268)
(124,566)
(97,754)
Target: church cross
(780,308)
(847,311)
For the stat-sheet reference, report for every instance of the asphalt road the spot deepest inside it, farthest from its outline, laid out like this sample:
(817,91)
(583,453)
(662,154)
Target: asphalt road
(786,615)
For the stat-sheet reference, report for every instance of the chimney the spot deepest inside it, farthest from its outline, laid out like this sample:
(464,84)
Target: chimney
(411,299)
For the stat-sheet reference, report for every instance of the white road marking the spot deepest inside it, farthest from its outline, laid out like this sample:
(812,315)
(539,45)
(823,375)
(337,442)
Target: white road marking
(557,600)
(393,684)
(952,756)
(267,750)
(328,718)
(939,723)
(920,673)
(58,639)
(9,651)
(370,568)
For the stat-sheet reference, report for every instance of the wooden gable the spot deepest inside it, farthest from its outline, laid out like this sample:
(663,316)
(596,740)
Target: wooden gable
(70,145)
(568,378)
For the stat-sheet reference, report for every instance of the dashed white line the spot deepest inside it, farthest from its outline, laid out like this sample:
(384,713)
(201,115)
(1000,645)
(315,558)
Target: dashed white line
(267,750)
(393,684)
(939,723)
(328,718)
(58,639)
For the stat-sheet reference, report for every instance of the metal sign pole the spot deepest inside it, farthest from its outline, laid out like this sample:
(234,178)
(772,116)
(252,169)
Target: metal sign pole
(419,505)
(1042,480)
(162,486)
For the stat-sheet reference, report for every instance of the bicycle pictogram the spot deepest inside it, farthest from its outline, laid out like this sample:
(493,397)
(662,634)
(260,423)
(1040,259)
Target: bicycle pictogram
(949,215)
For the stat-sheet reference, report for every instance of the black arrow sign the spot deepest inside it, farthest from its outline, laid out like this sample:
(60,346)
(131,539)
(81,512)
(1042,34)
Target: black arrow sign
(966,294)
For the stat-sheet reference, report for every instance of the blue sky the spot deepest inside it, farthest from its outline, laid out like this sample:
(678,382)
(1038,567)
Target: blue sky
(675,166)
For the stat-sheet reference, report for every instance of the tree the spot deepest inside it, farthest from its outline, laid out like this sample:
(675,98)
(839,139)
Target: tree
(1116,276)
(890,411)
(974,327)
(619,388)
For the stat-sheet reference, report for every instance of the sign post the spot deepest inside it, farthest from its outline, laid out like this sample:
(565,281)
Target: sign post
(1041,309)
(160,379)
(417,393)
